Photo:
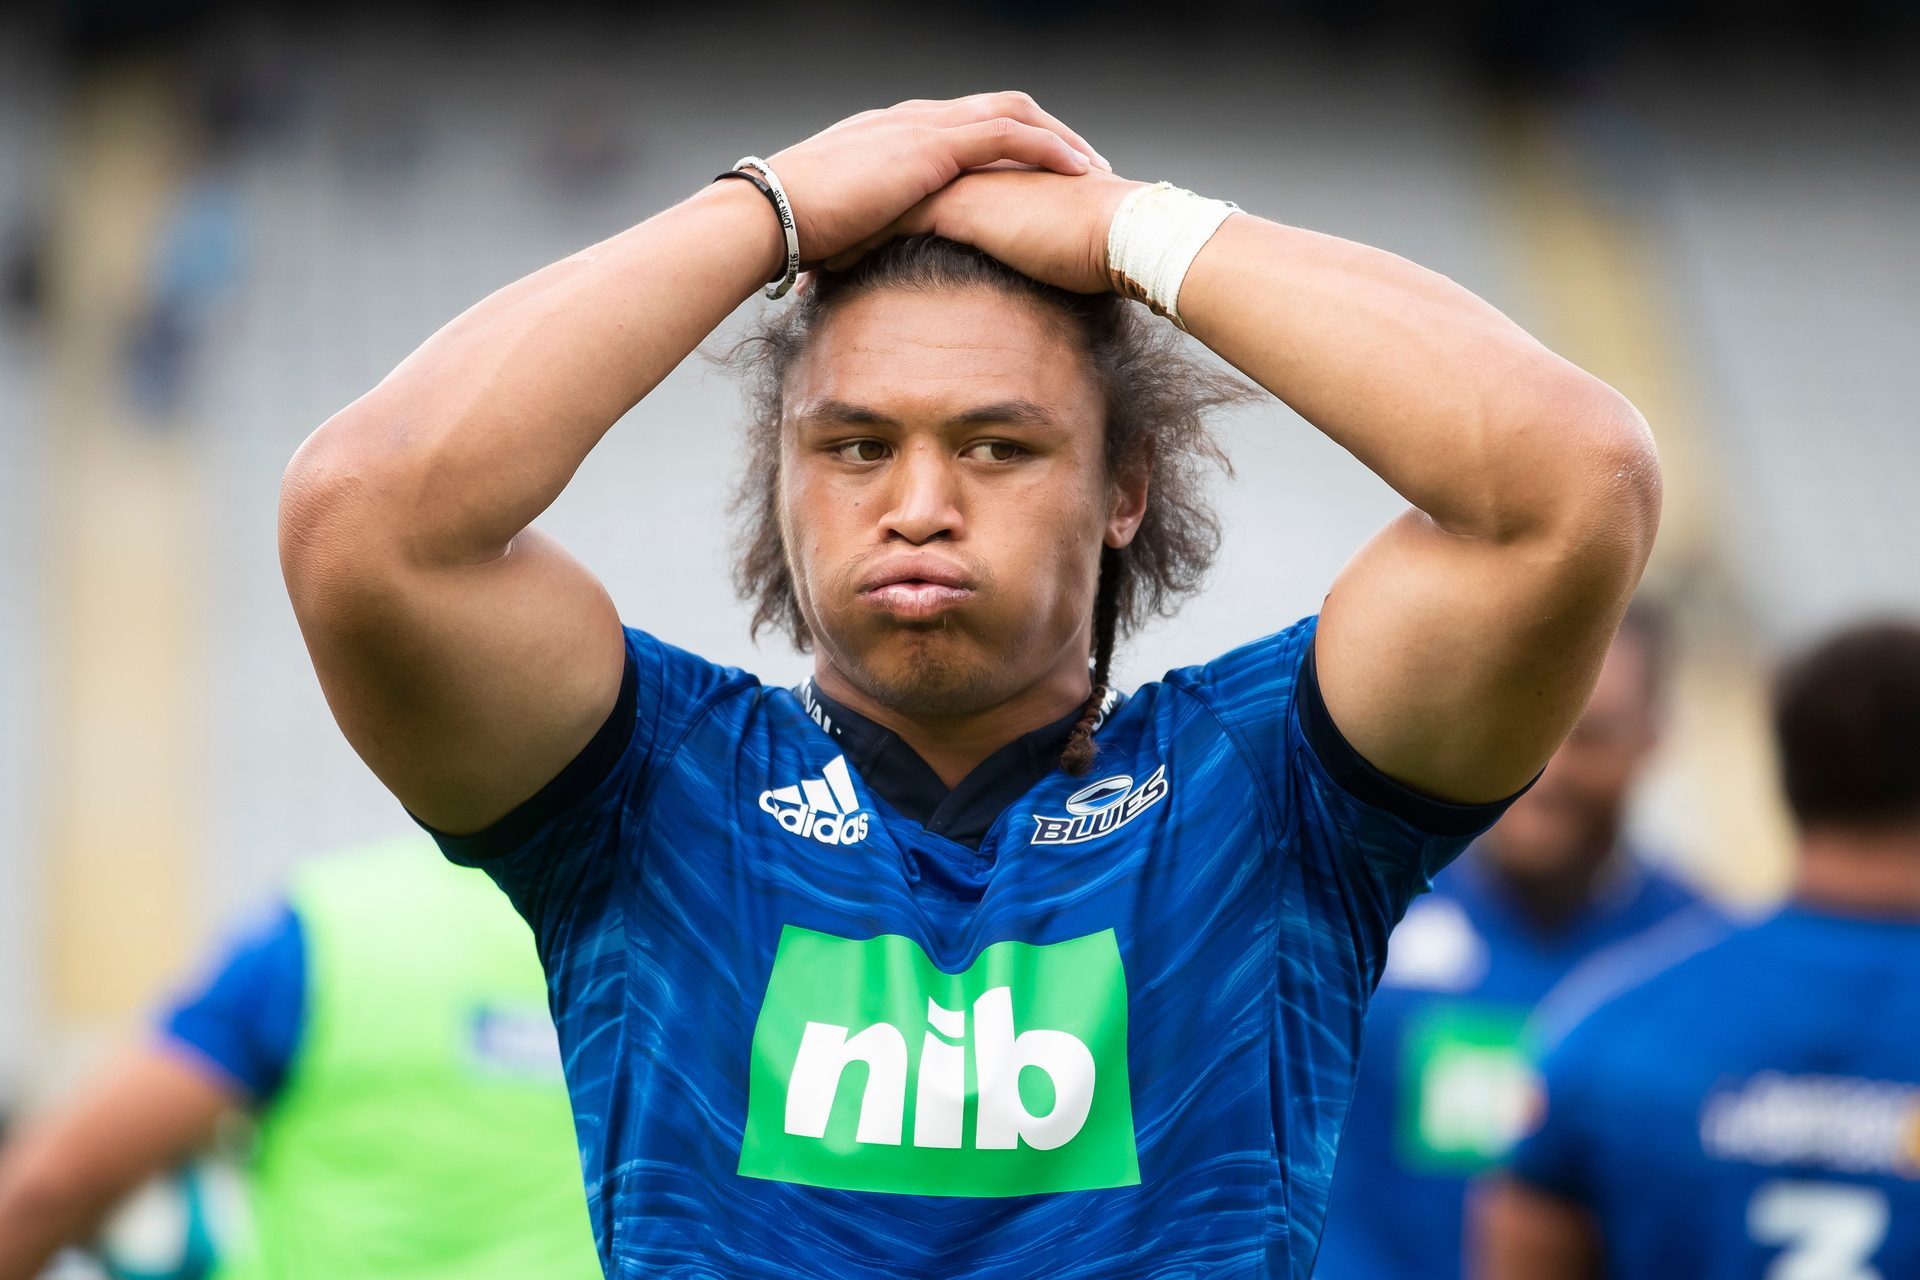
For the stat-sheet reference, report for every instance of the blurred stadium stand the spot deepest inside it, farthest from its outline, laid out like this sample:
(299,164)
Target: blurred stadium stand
(384,171)
(1796,226)
(27,118)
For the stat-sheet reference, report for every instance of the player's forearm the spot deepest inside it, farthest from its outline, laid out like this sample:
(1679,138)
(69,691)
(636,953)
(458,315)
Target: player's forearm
(479,430)
(1455,406)
(40,1210)
(1516,1232)
(62,1177)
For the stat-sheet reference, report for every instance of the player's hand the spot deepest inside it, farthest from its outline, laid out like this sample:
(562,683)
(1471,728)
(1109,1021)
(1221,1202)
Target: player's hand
(858,177)
(1048,226)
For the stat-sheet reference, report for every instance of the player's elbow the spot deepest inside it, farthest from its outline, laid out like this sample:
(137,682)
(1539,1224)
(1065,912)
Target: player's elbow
(1577,481)
(344,527)
(322,516)
(1559,465)
(1611,492)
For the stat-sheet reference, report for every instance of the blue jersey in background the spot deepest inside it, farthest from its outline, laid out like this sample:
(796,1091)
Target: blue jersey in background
(1445,1080)
(1749,1112)
(1114,1035)
(245,1015)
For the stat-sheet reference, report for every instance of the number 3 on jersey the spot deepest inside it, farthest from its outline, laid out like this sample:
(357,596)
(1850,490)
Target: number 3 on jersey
(1828,1230)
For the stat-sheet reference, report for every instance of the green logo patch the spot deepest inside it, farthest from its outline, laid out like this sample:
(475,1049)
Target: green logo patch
(874,1071)
(1466,1086)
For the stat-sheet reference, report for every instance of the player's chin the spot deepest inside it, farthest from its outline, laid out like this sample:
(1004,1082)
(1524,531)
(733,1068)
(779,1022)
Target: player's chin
(939,671)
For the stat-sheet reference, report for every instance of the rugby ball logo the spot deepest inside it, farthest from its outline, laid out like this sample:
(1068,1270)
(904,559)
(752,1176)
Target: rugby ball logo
(1098,796)
(1100,808)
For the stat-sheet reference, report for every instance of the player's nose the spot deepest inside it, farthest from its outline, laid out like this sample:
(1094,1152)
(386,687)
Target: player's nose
(926,495)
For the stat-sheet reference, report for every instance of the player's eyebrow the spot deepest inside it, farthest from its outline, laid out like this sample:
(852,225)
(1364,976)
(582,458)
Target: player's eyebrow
(1013,413)
(840,413)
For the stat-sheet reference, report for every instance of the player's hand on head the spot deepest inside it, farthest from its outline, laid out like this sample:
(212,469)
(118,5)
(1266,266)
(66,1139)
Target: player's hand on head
(855,179)
(1050,227)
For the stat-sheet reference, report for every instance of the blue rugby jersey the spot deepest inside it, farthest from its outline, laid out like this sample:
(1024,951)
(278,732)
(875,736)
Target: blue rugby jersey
(805,1035)
(1750,1110)
(1445,1080)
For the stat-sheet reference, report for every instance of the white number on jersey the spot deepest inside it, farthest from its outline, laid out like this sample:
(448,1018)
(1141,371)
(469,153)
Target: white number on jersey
(1829,1230)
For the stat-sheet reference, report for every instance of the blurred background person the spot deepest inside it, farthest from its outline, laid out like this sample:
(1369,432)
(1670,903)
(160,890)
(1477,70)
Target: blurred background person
(1444,1081)
(389,1028)
(1747,1102)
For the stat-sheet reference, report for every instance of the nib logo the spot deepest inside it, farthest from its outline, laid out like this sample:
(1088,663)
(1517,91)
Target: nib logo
(874,1071)
(823,808)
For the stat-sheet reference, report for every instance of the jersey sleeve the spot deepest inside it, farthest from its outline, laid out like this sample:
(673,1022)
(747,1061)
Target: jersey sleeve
(1348,849)
(545,853)
(244,1016)
(1320,793)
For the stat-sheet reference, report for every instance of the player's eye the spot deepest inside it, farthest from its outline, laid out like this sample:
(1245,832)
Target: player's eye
(862,450)
(992,451)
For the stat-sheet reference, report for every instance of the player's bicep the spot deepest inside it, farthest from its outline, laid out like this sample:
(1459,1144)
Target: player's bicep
(465,688)
(1456,665)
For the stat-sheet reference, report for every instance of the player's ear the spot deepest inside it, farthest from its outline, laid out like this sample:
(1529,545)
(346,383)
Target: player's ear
(1127,501)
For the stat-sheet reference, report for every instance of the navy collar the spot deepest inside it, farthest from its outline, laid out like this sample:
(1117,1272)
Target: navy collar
(895,770)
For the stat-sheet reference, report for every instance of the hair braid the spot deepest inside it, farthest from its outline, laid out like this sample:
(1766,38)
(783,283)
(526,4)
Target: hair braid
(1077,756)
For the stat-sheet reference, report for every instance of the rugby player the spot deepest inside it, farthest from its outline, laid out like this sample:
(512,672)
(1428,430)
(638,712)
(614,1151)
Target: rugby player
(1445,1081)
(952,962)
(383,1026)
(1746,1103)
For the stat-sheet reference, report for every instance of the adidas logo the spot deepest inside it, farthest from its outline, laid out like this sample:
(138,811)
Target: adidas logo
(823,808)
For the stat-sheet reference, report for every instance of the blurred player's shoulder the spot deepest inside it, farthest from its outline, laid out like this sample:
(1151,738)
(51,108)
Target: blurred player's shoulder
(1607,983)
(1445,943)
(1704,975)
(1659,891)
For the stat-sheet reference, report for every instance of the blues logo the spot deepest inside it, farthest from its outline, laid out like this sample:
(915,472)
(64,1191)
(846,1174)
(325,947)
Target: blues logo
(1103,807)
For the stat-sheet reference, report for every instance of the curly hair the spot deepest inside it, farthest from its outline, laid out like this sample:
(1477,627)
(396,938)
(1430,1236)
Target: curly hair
(1157,395)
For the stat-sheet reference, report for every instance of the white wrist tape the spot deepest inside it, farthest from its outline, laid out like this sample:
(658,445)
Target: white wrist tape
(1155,235)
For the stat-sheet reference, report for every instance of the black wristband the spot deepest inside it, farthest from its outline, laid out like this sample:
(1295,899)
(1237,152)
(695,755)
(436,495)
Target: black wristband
(765,190)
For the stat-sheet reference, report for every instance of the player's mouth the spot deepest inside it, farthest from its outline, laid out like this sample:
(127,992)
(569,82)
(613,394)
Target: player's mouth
(916,587)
